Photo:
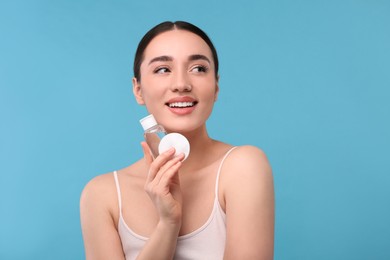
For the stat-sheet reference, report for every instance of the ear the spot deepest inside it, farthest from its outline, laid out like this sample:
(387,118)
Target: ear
(216,89)
(137,92)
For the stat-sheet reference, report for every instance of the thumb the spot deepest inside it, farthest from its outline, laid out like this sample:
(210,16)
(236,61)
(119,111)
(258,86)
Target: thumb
(147,153)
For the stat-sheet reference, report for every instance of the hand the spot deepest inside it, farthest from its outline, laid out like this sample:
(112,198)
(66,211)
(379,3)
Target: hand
(163,184)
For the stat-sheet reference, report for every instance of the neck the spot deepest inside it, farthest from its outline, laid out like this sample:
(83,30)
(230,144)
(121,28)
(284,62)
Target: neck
(200,143)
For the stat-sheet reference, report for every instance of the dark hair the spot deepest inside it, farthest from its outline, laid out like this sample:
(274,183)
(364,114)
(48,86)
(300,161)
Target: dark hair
(164,27)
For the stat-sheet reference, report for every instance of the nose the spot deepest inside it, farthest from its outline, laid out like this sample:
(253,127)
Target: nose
(181,82)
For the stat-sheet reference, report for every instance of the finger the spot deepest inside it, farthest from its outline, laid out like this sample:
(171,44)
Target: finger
(159,162)
(161,185)
(168,175)
(171,161)
(171,164)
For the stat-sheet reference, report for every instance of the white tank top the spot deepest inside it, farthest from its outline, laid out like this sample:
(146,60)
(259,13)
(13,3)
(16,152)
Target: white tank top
(207,242)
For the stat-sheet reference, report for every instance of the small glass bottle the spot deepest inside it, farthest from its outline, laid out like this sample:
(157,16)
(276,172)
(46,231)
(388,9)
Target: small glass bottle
(153,133)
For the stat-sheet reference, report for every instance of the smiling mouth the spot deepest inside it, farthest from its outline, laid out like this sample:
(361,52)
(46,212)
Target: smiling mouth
(181,104)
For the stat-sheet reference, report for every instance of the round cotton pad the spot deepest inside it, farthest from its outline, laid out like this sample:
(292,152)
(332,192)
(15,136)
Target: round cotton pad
(178,141)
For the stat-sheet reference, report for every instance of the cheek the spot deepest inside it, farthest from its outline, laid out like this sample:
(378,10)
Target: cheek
(149,98)
(153,97)
(210,90)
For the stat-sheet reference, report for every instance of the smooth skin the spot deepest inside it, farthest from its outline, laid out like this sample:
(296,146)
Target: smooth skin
(167,197)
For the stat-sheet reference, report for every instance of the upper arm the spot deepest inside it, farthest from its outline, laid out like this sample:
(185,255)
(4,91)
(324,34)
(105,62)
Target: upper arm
(101,239)
(249,196)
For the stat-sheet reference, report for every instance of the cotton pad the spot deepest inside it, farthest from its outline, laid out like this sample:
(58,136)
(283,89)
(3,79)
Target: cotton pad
(176,140)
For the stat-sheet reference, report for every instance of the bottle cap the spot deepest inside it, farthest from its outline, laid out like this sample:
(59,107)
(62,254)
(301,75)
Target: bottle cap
(148,122)
(176,140)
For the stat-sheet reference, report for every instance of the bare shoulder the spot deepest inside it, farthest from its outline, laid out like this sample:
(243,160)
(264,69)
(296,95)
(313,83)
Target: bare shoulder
(99,215)
(98,185)
(247,167)
(248,200)
(249,160)
(98,193)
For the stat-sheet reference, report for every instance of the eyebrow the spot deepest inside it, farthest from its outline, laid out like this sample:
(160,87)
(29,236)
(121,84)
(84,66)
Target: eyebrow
(190,58)
(198,57)
(161,58)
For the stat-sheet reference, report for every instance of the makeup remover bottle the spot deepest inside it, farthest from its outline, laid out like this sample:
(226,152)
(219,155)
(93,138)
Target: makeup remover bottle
(159,141)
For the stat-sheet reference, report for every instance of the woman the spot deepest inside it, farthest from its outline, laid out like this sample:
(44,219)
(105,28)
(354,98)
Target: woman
(217,204)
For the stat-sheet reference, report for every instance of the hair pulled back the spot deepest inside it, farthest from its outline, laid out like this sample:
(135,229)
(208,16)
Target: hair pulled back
(164,27)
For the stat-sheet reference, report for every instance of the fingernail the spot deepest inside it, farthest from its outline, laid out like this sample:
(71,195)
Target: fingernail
(180,156)
(170,150)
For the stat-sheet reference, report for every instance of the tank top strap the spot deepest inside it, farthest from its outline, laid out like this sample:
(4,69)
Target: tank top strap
(219,170)
(118,190)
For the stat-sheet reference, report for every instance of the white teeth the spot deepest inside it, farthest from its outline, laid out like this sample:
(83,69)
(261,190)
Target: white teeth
(181,104)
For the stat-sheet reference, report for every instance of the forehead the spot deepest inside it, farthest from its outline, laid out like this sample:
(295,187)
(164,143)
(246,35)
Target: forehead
(177,43)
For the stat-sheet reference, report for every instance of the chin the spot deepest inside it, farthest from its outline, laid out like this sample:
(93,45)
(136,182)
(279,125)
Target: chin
(186,129)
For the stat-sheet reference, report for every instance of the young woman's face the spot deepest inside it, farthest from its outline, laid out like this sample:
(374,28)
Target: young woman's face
(178,84)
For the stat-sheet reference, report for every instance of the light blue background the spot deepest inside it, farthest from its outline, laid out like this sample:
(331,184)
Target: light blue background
(307,81)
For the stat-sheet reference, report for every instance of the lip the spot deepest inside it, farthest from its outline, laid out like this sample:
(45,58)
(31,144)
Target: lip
(181,99)
(184,110)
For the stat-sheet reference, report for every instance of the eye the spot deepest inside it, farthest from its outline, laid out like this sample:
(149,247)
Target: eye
(199,69)
(161,70)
